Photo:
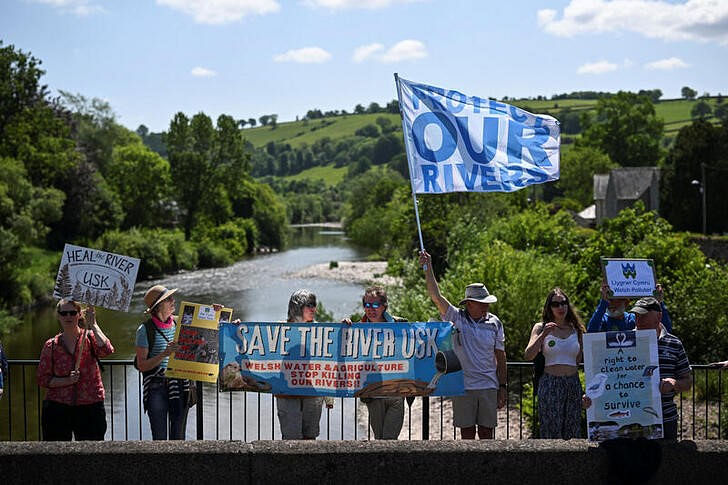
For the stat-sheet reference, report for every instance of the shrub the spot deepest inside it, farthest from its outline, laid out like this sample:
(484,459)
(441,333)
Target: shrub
(160,251)
(212,255)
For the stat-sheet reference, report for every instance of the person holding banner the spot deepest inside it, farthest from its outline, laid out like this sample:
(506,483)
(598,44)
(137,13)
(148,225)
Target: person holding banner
(675,374)
(480,346)
(165,399)
(299,416)
(386,414)
(69,370)
(610,315)
(559,337)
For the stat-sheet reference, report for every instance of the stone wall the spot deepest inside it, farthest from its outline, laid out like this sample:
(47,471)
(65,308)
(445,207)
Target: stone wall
(352,462)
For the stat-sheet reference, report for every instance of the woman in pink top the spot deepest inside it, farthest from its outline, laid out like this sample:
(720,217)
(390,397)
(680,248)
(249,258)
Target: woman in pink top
(559,338)
(69,370)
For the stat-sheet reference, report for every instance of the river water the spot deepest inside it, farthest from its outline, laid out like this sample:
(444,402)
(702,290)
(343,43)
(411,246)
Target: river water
(257,289)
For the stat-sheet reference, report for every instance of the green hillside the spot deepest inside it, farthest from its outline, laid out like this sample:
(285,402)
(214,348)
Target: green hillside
(675,113)
(296,133)
(328,173)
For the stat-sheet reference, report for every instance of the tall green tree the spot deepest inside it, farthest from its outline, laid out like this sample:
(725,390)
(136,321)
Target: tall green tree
(578,167)
(701,110)
(688,93)
(698,143)
(626,128)
(143,181)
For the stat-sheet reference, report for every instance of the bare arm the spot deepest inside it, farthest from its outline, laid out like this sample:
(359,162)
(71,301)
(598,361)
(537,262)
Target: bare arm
(539,332)
(432,288)
(144,364)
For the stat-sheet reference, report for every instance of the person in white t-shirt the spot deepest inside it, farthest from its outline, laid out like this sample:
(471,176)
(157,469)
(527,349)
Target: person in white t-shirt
(479,343)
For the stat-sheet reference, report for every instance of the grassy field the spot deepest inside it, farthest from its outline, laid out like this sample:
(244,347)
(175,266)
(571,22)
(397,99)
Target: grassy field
(330,174)
(675,113)
(299,132)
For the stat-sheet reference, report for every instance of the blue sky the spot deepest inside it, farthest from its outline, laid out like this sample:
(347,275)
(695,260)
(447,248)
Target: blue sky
(153,58)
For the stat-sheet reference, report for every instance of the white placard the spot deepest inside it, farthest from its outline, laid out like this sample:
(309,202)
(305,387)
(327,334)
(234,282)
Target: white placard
(96,277)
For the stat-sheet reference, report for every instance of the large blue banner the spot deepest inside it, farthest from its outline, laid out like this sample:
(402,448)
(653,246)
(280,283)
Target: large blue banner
(334,359)
(460,143)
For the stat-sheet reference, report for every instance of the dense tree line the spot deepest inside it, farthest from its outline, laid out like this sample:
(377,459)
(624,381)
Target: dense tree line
(371,145)
(70,173)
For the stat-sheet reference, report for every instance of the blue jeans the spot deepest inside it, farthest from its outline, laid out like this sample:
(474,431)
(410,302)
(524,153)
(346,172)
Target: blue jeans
(161,409)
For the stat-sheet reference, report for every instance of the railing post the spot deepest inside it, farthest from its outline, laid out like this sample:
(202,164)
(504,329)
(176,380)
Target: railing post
(425,417)
(200,415)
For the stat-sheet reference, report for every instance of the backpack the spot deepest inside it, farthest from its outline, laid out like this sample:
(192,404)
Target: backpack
(151,329)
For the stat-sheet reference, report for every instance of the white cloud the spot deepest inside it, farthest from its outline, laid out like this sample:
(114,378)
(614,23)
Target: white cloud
(701,20)
(667,64)
(344,4)
(305,55)
(221,11)
(203,72)
(81,8)
(599,67)
(404,50)
(366,51)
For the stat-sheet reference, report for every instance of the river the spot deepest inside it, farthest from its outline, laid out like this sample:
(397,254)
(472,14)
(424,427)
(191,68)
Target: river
(257,288)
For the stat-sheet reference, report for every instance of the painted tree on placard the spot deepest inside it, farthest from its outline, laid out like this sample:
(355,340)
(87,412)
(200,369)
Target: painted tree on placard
(63,282)
(112,297)
(77,292)
(125,298)
(88,296)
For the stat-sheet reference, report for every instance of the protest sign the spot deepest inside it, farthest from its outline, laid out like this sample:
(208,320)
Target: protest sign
(334,359)
(460,143)
(622,375)
(198,338)
(629,278)
(96,277)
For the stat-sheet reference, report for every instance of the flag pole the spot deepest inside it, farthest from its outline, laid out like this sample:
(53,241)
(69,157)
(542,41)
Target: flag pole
(409,162)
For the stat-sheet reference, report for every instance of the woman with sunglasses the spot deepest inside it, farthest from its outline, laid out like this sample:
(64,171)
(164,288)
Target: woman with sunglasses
(386,414)
(299,416)
(559,337)
(69,370)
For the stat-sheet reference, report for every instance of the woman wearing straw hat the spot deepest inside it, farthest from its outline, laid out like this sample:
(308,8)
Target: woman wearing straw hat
(165,399)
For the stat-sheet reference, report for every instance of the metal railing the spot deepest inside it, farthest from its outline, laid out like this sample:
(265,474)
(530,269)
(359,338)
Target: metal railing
(249,416)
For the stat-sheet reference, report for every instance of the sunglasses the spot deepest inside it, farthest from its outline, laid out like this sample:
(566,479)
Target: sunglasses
(556,304)
(65,313)
(310,305)
(374,305)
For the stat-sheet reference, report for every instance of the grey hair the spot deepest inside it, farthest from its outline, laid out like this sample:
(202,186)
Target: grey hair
(300,299)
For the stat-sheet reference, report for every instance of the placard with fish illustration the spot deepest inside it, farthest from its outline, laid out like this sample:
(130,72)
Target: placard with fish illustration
(622,376)
(628,278)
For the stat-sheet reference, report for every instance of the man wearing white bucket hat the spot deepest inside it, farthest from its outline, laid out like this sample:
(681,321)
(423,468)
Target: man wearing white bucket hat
(479,343)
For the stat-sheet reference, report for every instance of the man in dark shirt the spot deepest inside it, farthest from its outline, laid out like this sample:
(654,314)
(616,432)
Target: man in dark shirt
(674,366)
